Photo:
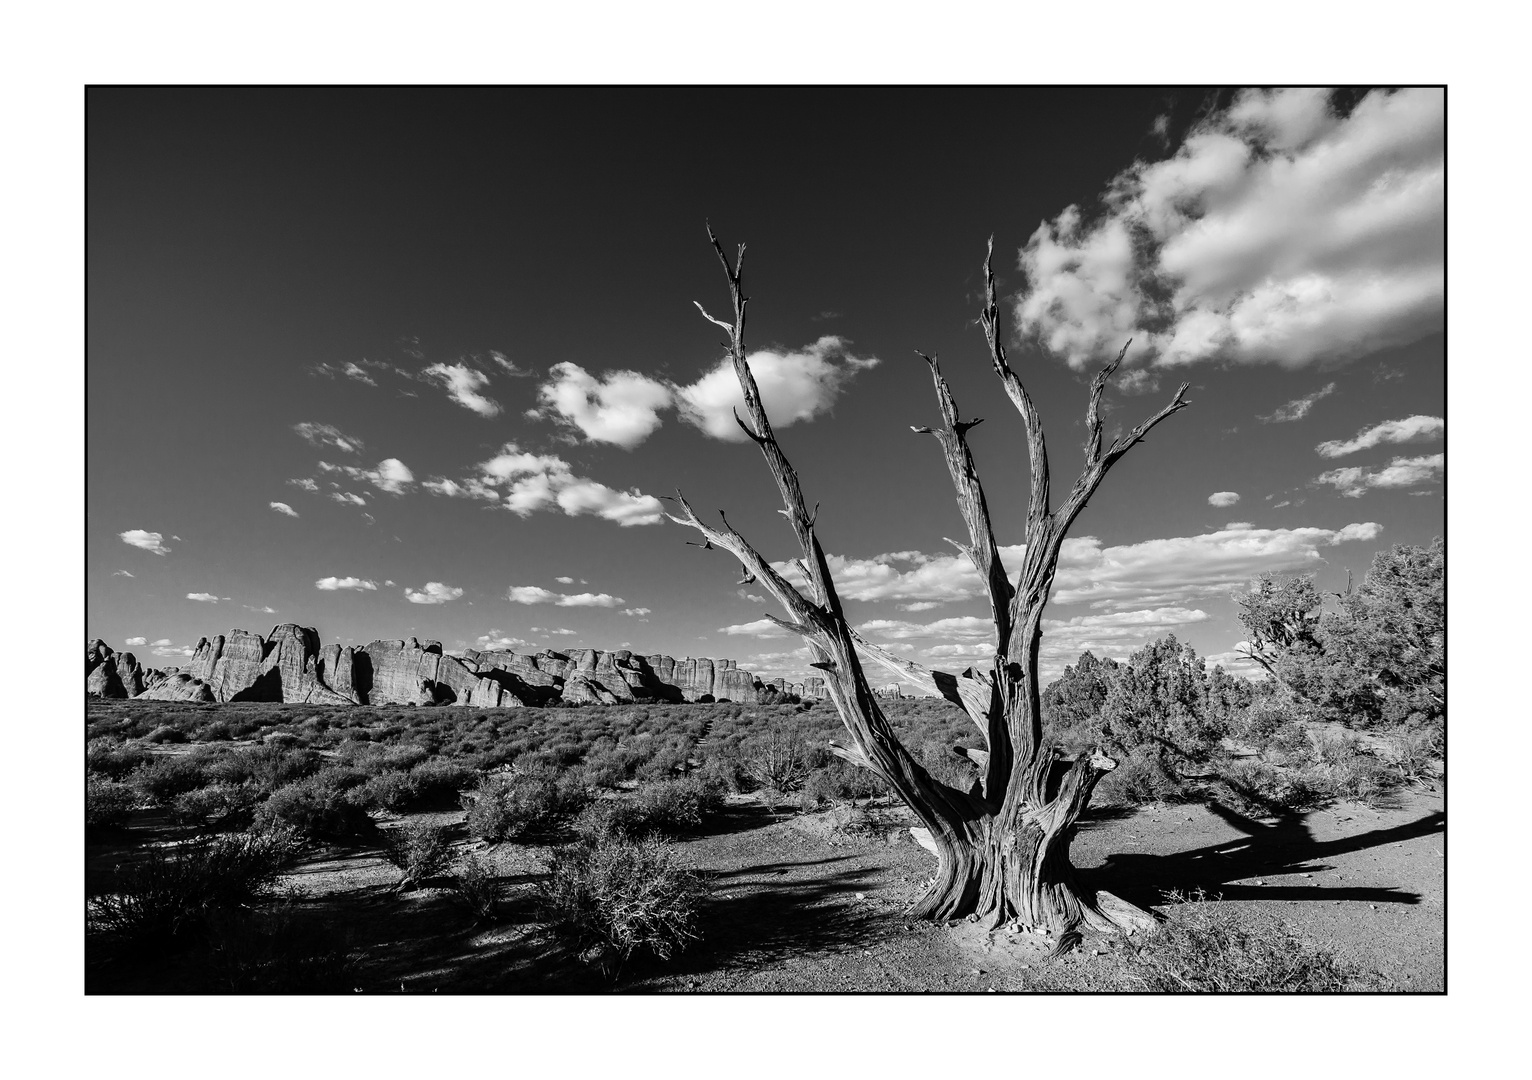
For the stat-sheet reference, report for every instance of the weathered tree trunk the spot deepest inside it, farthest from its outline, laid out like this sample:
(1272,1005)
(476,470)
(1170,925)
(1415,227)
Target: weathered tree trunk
(1003,847)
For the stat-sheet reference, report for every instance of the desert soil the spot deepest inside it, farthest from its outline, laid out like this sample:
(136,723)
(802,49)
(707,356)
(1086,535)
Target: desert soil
(800,905)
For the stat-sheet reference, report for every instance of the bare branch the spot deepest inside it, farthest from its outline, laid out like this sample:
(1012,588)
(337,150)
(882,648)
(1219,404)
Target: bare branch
(718,322)
(989,319)
(1093,410)
(984,553)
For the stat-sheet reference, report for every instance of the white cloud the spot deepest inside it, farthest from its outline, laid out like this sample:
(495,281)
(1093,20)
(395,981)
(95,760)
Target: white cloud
(508,365)
(330,584)
(1410,429)
(565,580)
(165,648)
(326,435)
(622,407)
(204,597)
(920,605)
(1162,572)
(471,488)
(532,594)
(498,640)
(351,370)
(391,475)
(635,611)
(463,384)
(1356,481)
(348,497)
(794,386)
(750,596)
(136,641)
(305,483)
(534,482)
(122,573)
(565,632)
(1298,408)
(1278,232)
(160,643)
(1223,498)
(283,508)
(389,584)
(265,609)
(759,628)
(965,627)
(149,541)
(434,593)
(1240,525)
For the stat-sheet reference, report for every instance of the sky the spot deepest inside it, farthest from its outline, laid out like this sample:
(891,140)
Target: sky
(421,362)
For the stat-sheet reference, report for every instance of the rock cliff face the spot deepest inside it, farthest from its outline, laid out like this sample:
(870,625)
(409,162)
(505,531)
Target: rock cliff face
(291,666)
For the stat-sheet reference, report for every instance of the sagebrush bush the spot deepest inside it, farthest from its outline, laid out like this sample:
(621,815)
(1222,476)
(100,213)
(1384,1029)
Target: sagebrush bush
(670,808)
(169,891)
(1257,788)
(421,850)
(778,759)
(1206,948)
(112,760)
(328,804)
(510,807)
(475,883)
(612,898)
(220,804)
(166,733)
(269,766)
(108,803)
(1141,778)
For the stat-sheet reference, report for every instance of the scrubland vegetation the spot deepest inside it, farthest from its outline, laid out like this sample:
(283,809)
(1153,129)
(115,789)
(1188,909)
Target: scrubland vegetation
(1353,710)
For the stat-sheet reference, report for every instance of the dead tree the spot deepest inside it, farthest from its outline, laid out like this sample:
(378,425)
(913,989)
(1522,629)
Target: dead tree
(1003,846)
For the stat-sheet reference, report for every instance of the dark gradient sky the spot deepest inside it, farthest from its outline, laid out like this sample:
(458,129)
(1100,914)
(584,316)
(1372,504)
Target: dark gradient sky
(240,239)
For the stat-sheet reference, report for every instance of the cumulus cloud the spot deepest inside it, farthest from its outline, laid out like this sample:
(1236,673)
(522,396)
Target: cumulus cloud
(1298,408)
(920,605)
(390,475)
(621,407)
(463,384)
(330,584)
(963,627)
(1223,498)
(509,366)
(136,641)
(1162,572)
(565,580)
(498,640)
(327,435)
(635,611)
(525,483)
(532,594)
(283,508)
(354,371)
(122,573)
(1410,429)
(203,597)
(1356,481)
(305,483)
(264,609)
(149,541)
(434,593)
(759,628)
(794,386)
(1278,232)
(348,497)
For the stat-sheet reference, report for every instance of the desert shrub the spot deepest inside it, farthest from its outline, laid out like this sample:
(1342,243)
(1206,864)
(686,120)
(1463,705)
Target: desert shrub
(1258,788)
(1206,948)
(324,804)
(611,898)
(475,884)
(108,803)
(268,766)
(777,760)
(438,779)
(221,804)
(420,850)
(1346,771)
(516,806)
(167,776)
(166,733)
(722,773)
(842,780)
(670,808)
(1142,777)
(669,758)
(113,760)
(274,950)
(1415,755)
(1290,745)
(390,790)
(171,889)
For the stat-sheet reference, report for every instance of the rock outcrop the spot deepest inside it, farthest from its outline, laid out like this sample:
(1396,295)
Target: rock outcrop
(290,666)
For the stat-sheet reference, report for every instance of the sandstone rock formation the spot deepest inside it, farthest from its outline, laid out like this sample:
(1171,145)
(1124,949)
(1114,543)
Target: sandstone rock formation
(291,666)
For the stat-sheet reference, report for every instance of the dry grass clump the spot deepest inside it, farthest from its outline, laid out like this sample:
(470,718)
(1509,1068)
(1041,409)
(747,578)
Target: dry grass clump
(1207,948)
(171,890)
(612,898)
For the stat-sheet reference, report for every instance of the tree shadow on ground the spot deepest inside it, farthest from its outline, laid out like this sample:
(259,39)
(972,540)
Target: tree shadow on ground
(1281,847)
